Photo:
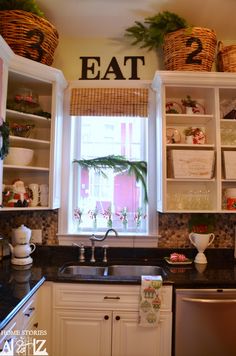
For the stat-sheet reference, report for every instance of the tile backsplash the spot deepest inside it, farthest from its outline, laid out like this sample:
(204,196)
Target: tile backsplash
(173,228)
(46,220)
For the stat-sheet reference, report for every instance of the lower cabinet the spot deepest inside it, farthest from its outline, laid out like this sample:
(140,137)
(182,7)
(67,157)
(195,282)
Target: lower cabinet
(29,332)
(9,335)
(82,332)
(101,320)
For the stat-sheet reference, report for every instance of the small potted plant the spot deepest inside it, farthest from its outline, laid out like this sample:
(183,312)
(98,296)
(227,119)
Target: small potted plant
(201,223)
(189,104)
(194,135)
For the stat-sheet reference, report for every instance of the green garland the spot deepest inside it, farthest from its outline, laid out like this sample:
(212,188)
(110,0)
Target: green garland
(119,164)
(151,33)
(4,132)
(25,5)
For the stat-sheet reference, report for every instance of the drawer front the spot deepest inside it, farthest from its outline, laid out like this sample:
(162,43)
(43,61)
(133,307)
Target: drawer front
(28,313)
(95,296)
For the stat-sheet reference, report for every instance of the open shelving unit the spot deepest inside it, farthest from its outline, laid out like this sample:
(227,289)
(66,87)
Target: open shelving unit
(215,94)
(47,86)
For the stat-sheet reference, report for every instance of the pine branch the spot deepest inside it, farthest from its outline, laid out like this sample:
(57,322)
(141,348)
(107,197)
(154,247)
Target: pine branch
(119,164)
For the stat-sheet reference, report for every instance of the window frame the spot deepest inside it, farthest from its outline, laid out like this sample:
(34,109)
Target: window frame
(149,239)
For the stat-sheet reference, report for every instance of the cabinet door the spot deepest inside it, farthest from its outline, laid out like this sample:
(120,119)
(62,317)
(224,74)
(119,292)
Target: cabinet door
(5,54)
(1,111)
(130,339)
(82,333)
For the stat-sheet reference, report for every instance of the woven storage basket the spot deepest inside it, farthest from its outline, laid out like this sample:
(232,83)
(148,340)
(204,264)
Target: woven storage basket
(226,58)
(29,35)
(190,49)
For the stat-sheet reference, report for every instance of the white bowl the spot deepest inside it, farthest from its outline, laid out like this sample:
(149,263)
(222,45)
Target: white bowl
(18,156)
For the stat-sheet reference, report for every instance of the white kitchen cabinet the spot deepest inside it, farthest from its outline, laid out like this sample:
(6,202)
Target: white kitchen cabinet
(102,320)
(29,325)
(82,332)
(45,86)
(9,336)
(215,93)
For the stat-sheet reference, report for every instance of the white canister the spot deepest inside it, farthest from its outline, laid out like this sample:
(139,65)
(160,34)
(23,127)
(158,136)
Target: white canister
(43,188)
(35,194)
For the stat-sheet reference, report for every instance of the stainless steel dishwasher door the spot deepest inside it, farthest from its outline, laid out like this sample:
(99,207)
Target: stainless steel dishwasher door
(205,323)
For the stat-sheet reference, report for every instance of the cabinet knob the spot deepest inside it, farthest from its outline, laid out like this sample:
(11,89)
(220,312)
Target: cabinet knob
(117,317)
(106,317)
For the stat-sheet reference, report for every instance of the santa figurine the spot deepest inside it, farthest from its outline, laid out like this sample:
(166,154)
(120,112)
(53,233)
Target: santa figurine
(18,197)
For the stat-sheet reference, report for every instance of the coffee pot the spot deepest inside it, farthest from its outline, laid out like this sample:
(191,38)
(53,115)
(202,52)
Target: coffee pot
(21,248)
(21,235)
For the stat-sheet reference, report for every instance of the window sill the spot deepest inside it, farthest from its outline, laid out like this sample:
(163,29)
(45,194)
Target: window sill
(112,241)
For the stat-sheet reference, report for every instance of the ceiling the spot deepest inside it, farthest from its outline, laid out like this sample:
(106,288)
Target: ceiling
(109,18)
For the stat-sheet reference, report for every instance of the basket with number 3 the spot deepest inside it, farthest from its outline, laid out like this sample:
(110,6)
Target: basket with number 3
(190,48)
(29,35)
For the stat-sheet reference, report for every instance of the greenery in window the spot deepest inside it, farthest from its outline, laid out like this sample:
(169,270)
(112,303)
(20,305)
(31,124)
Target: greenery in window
(119,164)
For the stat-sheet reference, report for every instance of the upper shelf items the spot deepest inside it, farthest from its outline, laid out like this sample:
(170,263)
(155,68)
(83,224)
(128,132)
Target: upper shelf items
(196,147)
(34,111)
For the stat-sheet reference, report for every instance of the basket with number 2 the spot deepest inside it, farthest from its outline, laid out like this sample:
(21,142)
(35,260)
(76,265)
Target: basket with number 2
(190,49)
(29,35)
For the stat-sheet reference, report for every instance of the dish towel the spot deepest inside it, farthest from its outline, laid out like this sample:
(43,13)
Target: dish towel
(150,301)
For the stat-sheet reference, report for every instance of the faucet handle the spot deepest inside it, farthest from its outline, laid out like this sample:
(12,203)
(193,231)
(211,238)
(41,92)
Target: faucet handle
(81,250)
(105,247)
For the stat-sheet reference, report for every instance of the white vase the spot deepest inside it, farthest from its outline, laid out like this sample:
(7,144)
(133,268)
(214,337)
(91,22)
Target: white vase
(201,242)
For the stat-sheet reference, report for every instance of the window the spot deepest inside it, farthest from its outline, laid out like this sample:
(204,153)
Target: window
(87,136)
(116,200)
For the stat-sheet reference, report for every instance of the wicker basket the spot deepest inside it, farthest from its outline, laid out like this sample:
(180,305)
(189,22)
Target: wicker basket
(190,49)
(29,35)
(226,58)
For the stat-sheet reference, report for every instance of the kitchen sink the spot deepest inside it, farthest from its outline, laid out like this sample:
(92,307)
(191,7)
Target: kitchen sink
(134,270)
(82,270)
(113,270)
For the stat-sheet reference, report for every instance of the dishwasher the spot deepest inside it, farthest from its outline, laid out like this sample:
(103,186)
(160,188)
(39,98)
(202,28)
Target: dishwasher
(205,322)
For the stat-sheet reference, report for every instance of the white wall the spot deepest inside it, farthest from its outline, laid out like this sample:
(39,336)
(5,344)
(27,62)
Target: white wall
(69,51)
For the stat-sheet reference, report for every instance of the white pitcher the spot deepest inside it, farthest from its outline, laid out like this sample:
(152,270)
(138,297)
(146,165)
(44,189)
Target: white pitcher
(201,242)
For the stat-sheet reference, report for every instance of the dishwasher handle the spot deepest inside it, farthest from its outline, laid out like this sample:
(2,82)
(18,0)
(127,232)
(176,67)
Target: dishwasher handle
(210,301)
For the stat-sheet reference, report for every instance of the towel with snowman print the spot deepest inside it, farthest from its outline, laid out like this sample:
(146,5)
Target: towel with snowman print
(150,301)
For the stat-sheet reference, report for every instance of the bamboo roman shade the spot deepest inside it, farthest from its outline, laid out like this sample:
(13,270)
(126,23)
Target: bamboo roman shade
(109,102)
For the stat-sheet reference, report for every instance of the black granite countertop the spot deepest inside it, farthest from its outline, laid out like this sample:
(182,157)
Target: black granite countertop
(18,284)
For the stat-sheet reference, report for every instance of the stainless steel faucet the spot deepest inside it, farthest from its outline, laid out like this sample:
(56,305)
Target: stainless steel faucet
(94,238)
(81,251)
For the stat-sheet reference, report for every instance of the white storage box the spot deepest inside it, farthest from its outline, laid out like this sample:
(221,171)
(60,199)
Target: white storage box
(230,164)
(197,164)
